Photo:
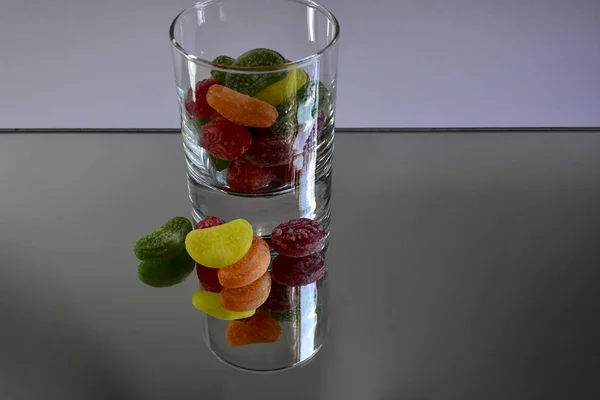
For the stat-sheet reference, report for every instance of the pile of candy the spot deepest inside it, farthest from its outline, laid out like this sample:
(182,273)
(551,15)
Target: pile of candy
(256,126)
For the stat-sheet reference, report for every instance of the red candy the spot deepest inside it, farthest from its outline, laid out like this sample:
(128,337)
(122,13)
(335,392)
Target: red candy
(244,176)
(209,222)
(298,238)
(281,298)
(195,101)
(301,271)
(208,278)
(224,139)
(269,151)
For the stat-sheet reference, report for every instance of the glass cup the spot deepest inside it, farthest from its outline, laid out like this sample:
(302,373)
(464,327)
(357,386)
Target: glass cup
(256,82)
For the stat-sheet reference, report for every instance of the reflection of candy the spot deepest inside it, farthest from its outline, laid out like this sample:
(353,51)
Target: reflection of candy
(195,101)
(281,298)
(298,271)
(208,278)
(260,328)
(220,246)
(224,139)
(209,222)
(298,237)
(165,242)
(247,297)
(244,176)
(241,109)
(210,303)
(251,267)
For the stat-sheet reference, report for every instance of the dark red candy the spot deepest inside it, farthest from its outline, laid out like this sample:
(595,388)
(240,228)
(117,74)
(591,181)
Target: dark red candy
(224,139)
(208,278)
(298,237)
(301,271)
(269,151)
(195,101)
(281,298)
(209,222)
(244,176)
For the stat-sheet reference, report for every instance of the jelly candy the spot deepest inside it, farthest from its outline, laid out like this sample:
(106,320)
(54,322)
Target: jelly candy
(220,246)
(281,298)
(244,176)
(218,164)
(298,112)
(279,91)
(209,222)
(165,242)
(269,151)
(195,101)
(293,314)
(247,297)
(208,278)
(241,109)
(210,303)
(251,267)
(221,60)
(195,124)
(298,237)
(166,272)
(224,139)
(254,83)
(259,328)
(298,271)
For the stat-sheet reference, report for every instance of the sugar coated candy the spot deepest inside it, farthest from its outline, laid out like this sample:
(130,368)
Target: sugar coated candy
(209,222)
(278,92)
(251,84)
(221,60)
(208,278)
(224,140)
(166,272)
(298,237)
(244,176)
(259,328)
(299,111)
(270,151)
(247,297)
(251,267)
(240,108)
(196,103)
(220,246)
(281,298)
(165,242)
(298,271)
(210,303)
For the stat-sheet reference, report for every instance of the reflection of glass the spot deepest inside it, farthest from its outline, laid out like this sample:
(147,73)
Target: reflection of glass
(301,313)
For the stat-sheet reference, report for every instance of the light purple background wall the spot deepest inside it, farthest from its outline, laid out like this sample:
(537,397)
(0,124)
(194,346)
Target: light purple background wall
(413,63)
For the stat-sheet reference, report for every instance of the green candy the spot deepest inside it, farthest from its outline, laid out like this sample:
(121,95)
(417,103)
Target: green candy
(218,164)
(196,124)
(299,111)
(166,272)
(165,242)
(252,84)
(223,60)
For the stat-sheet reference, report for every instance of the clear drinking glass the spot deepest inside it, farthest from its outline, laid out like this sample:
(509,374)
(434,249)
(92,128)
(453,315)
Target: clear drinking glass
(257,125)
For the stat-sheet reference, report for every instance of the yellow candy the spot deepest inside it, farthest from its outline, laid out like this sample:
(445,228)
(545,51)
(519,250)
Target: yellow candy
(220,246)
(210,303)
(279,91)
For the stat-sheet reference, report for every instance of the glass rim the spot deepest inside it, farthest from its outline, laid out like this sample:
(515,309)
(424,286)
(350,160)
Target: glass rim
(255,70)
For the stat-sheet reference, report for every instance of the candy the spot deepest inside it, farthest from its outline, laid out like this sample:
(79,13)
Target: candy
(166,272)
(281,298)
(298,237)
(195,124)
(301,271)
(270,151)
(247,297)
(220,246)
(260,328)
(221,60)
(209,222)
(218,164)
(278,92)
(208,278)
(241,109)
(195,101)
(210,303)
(244,176)
(251,84)
(251,267)
(165,242)
(224,139)
(298,112)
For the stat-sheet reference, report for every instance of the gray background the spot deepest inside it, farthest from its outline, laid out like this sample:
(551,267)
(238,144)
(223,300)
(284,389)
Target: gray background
(412,63)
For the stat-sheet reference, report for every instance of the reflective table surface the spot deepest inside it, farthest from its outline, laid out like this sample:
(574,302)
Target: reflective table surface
(462,265)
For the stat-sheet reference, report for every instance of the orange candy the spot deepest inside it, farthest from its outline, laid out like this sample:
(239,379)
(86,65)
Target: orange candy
(248,297)
(241,109)
(259,328)
(251,267)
